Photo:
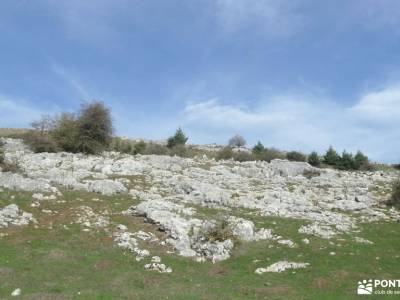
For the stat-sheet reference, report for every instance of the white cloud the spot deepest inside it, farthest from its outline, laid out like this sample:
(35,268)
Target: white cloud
(382,105)
(275,18)
(306,122)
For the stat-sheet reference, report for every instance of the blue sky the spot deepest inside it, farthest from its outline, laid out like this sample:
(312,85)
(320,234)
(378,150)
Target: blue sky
(297,75)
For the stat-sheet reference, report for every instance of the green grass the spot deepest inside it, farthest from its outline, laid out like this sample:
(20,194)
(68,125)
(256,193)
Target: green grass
(61,263)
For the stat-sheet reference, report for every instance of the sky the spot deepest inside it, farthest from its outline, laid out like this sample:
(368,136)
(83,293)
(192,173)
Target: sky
(294,74)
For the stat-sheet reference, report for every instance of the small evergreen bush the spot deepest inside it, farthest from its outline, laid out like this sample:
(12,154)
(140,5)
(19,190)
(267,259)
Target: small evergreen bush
(331,157)
(178,139)
(258,148)
(313,159)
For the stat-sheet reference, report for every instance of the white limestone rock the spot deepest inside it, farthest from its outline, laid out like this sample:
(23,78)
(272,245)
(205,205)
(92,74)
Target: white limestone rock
(106,187)
(281,266)
(12,215)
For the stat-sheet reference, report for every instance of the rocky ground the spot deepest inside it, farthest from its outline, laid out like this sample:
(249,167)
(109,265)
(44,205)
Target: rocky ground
(199,209)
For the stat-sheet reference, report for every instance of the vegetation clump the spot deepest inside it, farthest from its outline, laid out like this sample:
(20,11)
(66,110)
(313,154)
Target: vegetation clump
(89,132)
(313,159)
(220,232)
(347,161)
(395,197)
(178,139)
(296,156)
(237,141)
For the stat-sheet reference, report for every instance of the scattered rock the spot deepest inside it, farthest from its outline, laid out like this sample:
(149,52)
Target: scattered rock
(362,240)
(161,268)
(12,215)
(281,266)
(16,292)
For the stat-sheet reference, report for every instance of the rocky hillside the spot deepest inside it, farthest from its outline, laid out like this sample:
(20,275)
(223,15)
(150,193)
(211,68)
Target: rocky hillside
(198,208)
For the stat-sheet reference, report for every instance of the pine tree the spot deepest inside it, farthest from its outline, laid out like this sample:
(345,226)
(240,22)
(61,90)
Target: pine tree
(178,139)
(313,159)
(258,148)
(331,157)
(361,161)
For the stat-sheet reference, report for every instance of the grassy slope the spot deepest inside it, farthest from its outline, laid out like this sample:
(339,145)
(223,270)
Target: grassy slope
(61,263)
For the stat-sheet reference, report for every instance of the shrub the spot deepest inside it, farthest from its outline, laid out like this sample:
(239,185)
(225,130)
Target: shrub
(269,154)
(45,124)
(10,167)
(156,149)
(225,153)
(311,173)
(94,128)
(139,148)
(66,132)
(395,198)
(331,157)
(1,156)
(40,142)
(313,159)
(1,152)
(178,139)
(346,161)
(361,162)
(258,148)
(178,150)
(296,156)
(237,141)
(220,232)
(242,156)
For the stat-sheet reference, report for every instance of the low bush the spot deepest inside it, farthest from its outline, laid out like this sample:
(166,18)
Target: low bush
(242,156)
(10,167)
(1,152)
(220,232)
(66,133)
(156,149)
(311,173)
(296,156)
(395,197)
(269,154)
(41,142)
(225,153)
(139,147)
(179,150)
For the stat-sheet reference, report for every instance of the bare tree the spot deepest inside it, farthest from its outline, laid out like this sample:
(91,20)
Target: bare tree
(237,141)
(44,125)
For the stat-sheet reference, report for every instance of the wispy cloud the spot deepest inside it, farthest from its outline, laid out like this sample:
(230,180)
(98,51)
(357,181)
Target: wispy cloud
(17,112)
(71,80)
(377,14)
(274,18)
(90,20)
(306,122)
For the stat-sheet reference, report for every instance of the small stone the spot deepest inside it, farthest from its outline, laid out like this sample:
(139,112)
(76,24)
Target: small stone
(16,292)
